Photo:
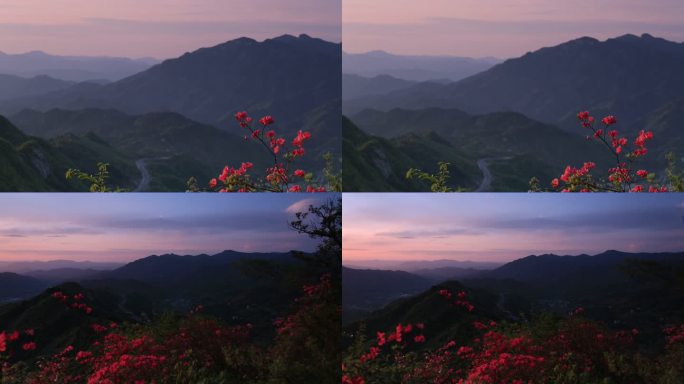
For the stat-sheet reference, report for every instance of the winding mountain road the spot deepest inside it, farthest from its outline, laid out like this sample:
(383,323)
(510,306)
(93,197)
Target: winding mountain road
(144,184)
(487,178)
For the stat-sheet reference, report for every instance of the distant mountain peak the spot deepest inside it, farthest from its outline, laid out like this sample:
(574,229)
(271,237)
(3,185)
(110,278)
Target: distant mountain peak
(243,40)
(36,54)
(379,52)
(633,37)
(584,40)
(288,37)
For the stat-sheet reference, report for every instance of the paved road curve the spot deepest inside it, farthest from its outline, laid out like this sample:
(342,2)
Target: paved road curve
(486,183)
(144,184)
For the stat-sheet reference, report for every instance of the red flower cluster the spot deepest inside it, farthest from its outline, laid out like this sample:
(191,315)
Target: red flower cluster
(142,359)
(577,350)
(6,339)
(461,299)
(279,176)
(623,176)
(98,328)
(29,346)
(675,334)
(197,309)
(316,290)
(352,380)
(577,311)
(292,325)
(76,301)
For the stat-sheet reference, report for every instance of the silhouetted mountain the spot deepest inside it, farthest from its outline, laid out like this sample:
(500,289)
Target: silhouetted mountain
(355,86)
(57,325)
(442,319)
(629,76)
(624,290)
(239,288)
(30,266)
(16,287)
(295,79)
(62,275)
(439,274)
(12,87)
(364,290)
(171,268)
(583,272)
(415,265)
(72,68)
(415,68)
(512,147)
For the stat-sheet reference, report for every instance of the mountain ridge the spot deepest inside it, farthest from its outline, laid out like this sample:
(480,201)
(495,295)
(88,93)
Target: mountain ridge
(628,76)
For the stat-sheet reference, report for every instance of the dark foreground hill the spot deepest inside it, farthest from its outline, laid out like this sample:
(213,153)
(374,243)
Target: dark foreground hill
(14,286)
(624,290)
(364,290)
(236,287)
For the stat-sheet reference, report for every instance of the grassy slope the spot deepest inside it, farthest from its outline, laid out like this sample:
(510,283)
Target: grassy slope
(375,164)
(520,148)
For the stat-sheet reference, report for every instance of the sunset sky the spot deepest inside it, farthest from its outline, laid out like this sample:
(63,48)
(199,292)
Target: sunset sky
(156,28)
(503,227)
(124,227)
(499,28)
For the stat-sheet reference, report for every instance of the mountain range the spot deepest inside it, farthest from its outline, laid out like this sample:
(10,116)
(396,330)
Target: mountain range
(636,78)
(72,68)
(414,67)
(14,86)
(417,265)
(235,286)
(627,76)
(620,288)
(355,86)
(159,139)
(287,77)
(175,120)
(26,266)
(493,152)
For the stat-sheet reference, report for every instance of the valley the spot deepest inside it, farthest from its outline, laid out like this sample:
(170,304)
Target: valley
(525,108)
(179,112)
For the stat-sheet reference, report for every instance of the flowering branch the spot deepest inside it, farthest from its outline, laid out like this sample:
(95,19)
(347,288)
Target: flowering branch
(281,176)
(624,176)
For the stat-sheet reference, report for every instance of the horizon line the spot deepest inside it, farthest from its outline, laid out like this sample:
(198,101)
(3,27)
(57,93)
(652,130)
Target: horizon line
(297,36)
(499,262)
(641,35)
(143,257)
